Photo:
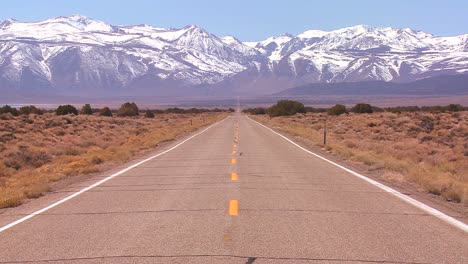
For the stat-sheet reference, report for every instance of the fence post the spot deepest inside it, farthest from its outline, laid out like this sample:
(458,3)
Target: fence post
(325,133)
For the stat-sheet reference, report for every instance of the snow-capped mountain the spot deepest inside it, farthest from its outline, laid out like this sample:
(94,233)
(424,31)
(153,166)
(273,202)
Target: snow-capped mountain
(76,55)
(363,53)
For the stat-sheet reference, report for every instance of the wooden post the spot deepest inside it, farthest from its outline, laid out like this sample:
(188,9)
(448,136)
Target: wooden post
(325,133)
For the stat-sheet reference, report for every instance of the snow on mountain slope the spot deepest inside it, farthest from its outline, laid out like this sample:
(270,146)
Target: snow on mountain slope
(271,47)
(83,23)
(75,53)
(115,55)
(364,53)
(237,45)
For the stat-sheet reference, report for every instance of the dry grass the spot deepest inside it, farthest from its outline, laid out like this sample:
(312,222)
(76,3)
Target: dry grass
(38,150)
(428,150)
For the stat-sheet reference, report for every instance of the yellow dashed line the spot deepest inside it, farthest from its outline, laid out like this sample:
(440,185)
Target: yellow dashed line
(234,176)
(233,161)
(227,237)
(233,207)
(234,152)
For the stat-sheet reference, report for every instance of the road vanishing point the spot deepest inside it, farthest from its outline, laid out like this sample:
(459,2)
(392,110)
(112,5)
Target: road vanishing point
(235,192)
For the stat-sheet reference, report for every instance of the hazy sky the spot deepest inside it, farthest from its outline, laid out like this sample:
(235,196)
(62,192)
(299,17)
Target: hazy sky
(251,20)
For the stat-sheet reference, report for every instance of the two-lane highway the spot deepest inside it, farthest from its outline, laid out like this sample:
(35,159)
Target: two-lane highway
(235,193)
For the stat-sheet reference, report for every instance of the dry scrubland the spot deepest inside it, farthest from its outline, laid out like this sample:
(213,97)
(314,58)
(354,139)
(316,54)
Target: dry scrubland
(37,150)
(427,150)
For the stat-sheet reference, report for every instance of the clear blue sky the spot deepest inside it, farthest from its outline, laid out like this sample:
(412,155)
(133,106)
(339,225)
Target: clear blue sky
(252,20)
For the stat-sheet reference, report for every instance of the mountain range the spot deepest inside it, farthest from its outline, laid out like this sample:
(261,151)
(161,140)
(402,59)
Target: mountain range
(80,56)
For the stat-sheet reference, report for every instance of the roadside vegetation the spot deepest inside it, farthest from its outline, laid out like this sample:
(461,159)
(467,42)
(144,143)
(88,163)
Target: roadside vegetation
(281,108)
(426,147)
(286,108)
(291,108)
(38,148)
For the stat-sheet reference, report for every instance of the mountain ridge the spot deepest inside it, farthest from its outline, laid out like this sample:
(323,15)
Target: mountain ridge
(76,55)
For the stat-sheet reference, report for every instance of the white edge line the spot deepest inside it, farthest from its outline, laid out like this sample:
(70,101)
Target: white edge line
(418,204)
(102,181)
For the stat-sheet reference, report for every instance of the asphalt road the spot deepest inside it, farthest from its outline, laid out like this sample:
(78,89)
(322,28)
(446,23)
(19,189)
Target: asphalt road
(237,193)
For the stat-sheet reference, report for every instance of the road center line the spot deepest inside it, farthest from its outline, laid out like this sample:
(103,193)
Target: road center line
(409,200)
(233,161)
(233,207)
(234,176)
(102,181)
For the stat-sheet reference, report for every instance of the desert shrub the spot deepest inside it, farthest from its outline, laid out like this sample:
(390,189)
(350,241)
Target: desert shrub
(66,110)
(337,110)
(376,109)
(255,111)
(12,163)
(362,108)
(400,109)
(128,109)
(105,111)
(454,108)
(447,108)
(86,110)
(8,109)
(30,109)
(435,108)
(7,137)
(176,110)
(427,123)
(27,157)
(315,110)
(286,108)
(6,116)
(149,114)
(96,160)
(52,123)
